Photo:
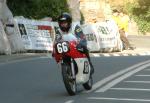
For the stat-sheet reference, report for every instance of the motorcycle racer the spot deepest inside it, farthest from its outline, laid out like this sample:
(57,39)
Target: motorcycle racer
(66,28)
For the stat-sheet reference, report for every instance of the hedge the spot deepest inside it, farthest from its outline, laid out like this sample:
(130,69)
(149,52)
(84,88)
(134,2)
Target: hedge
(37,9)
(140,12)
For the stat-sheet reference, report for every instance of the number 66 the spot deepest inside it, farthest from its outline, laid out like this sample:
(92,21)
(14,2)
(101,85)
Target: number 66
(62,47)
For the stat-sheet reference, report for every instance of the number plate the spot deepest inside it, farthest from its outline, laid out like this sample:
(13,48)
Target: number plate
(86,67)
(62,47)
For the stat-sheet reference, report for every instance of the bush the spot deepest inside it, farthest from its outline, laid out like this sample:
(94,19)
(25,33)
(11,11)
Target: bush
(140,12)
(37,9)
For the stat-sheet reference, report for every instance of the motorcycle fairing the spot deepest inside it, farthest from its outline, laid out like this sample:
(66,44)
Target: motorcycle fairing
(83,70)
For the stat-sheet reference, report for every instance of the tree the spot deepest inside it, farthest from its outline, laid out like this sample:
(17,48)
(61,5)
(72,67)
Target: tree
(140,11)
(37,9)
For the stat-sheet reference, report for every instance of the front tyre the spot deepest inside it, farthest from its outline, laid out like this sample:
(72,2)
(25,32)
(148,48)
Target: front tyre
(70,83)
(88,84)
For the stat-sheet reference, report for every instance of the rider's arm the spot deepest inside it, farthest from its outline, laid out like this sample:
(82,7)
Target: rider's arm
(80,35)
(58,36)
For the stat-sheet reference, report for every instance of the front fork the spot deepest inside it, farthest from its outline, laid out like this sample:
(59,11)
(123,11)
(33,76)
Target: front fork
(72,68)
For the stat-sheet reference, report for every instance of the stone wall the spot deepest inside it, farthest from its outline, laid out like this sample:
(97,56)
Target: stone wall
(97,10)
(119,2)
(74,6)
(92,10)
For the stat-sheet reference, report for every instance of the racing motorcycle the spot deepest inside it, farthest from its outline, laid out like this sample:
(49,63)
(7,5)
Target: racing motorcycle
(74,64)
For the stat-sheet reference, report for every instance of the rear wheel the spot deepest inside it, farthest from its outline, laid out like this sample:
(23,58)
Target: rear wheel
(88,84)
(70,83)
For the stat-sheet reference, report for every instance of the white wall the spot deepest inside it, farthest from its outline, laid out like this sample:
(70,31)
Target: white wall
(5,17)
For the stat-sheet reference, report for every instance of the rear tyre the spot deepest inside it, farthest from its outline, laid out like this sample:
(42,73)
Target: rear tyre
(70,83)
(88,84)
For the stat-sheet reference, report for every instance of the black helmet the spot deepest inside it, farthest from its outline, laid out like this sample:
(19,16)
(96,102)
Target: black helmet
(65,17)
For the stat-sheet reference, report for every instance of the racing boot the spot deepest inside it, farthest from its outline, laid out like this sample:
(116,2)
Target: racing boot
(91,65)
(92,68)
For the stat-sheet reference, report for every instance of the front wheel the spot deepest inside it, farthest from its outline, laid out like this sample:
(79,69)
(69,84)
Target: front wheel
(88,84)
(70,83)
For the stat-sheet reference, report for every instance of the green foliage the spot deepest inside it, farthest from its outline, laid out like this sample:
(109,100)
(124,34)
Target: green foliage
(38,9)
(140,12)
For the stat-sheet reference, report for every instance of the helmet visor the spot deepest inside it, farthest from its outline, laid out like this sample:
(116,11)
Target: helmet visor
(64,24)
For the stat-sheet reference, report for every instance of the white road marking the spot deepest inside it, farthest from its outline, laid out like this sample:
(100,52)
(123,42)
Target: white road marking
(134,54)
(116,55)
(121,78)
(143,75)
(119,54)
(148,53)
(111,77)
(95,55)
(125,54)
(107,55)
(120,99)
(69,101)
(142,54)
(137,81)
(131,89)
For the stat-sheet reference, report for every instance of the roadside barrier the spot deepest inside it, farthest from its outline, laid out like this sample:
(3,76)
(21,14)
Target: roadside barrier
(4,42)
(37,35)
(103,36)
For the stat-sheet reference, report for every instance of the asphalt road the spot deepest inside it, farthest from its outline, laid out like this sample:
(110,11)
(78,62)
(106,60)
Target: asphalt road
(121,79)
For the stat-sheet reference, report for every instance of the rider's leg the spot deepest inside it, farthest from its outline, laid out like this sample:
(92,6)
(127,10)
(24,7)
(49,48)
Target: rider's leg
(86,51)
(89,59)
